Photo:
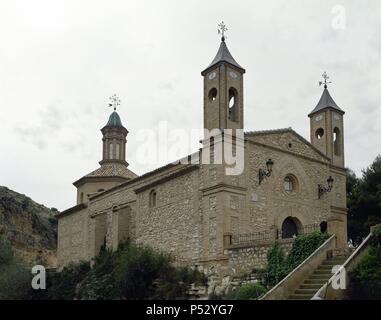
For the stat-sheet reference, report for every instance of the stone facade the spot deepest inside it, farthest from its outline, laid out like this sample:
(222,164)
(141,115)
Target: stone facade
(195,211)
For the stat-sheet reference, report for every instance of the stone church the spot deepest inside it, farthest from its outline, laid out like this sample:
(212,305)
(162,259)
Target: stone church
(196,212)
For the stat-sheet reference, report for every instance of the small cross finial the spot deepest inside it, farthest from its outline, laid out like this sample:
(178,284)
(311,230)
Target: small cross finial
(222,29)
(115,101)
(325,82)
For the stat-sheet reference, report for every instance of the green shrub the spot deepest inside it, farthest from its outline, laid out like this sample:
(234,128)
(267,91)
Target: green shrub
(303,247)
(64,284)
(15,282)
(14,278)
(278,266)
(250,292)
(99,283)
(131,272)
(366,277)
(376,236)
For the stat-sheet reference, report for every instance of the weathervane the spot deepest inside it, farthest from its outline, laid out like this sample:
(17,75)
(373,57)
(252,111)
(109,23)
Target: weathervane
(325,82)
(115,101)
(222,29)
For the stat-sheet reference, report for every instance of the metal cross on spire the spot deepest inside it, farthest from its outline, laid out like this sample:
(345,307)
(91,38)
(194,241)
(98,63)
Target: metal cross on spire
(325,82)
(222,29)
(115,101)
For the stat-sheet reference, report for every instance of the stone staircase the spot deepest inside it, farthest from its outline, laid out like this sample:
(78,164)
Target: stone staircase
(318,278)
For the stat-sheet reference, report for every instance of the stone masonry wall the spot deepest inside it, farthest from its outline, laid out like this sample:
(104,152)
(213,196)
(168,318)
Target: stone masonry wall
(243,259)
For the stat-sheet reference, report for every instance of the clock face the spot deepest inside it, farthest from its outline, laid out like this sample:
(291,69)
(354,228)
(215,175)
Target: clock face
(318,118)
(336,116)
(212,76)
(233,74)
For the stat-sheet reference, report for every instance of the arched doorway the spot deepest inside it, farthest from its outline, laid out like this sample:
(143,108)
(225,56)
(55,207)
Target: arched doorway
(290,227)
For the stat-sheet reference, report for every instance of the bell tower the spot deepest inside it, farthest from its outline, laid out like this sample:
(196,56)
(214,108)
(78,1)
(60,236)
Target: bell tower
(114,138)
(327,127)
(223,90)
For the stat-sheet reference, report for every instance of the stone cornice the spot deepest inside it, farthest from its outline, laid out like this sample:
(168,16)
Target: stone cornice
(71,210)
(221,187)
(288,152)
(339,210)
(178,173)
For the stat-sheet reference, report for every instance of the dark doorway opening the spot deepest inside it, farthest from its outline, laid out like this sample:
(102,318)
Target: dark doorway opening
(323,227)
(290,228)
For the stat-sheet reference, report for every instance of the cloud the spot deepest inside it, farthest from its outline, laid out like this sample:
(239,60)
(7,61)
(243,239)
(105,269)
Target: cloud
(63,62)
(46,128)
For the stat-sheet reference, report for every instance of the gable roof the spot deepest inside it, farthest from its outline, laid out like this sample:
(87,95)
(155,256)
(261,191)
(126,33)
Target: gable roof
(326,101)
(286,130)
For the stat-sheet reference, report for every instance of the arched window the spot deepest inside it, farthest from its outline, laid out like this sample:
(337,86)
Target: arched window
(111,151)
(233,104)
(152,199)
(81,198)
(212,94)
(117,151)
(319,133)
(337,141)
(290,228)
(290,184)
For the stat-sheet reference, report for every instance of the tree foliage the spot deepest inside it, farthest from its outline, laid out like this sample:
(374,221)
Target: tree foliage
(14,278)
(364,200)
(366,277)
(250,292)
(129,273)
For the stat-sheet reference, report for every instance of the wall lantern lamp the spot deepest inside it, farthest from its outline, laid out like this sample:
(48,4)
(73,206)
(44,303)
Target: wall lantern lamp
(323,189)
(262,174)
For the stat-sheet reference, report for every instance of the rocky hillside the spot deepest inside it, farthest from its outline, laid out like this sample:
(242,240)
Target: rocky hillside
(30,227)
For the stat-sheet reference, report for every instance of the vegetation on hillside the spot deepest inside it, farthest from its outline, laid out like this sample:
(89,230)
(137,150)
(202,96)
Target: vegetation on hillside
(28,226)
(129,273)
(14,278)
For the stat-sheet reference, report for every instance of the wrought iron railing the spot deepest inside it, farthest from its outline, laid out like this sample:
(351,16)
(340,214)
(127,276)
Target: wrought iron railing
(247,238)
(251,237)
(306,229)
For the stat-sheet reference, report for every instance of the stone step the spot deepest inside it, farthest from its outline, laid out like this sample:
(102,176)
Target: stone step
(340,259)
(324,277)
(306,291)
(315,286)
(315,281)
(301,296)
(331,263)
(323,272)
(326,267)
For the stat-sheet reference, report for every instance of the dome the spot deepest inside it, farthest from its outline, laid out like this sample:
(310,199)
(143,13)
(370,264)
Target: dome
(114,120)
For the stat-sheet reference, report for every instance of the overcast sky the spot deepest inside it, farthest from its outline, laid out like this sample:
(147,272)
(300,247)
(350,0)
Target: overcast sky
(61,60)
